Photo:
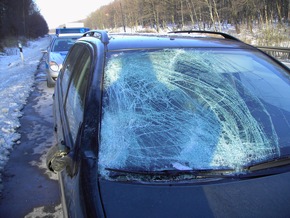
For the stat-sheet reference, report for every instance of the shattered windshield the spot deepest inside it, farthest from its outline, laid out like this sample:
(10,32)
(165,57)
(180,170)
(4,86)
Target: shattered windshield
(192,109)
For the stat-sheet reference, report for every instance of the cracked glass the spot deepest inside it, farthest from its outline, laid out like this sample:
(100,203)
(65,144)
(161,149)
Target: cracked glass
(192,109)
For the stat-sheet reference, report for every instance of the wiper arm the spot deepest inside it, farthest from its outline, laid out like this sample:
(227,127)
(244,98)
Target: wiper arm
(276,162)
(129,171)
(208,173)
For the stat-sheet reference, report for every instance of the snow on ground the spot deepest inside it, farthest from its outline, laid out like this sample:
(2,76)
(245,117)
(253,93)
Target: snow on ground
(17,79)
(40,212)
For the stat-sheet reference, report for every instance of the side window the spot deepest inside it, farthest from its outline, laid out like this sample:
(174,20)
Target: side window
(68,66)
(75,100)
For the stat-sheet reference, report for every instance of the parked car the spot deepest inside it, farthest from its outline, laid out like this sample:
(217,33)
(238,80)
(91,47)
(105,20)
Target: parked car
(55,55)
(186,124)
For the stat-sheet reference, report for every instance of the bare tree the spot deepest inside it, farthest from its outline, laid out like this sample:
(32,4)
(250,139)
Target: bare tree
(204,13)
(16,18)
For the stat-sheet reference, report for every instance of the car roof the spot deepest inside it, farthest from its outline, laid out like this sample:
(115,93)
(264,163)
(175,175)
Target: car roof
(123,42)
(66,36)
(69,35)
(182,39)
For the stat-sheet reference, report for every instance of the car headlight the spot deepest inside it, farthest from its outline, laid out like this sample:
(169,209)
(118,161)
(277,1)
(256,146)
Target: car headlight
(54,66)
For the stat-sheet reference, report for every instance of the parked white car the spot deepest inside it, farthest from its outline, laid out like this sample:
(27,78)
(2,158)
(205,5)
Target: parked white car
(55,55)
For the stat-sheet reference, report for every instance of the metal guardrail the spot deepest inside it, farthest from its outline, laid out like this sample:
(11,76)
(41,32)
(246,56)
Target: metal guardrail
(277,52)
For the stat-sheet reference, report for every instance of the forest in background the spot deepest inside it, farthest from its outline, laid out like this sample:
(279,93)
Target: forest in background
(156,15)
(20,19)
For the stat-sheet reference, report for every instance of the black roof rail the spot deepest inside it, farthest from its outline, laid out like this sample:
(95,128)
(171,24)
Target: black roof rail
(225,35)
(100,34)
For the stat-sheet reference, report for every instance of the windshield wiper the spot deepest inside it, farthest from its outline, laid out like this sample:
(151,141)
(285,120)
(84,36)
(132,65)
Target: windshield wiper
(272,163)
(198,173)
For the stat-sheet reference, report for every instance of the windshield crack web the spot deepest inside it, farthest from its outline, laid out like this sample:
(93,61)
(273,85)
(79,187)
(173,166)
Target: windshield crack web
(174,106)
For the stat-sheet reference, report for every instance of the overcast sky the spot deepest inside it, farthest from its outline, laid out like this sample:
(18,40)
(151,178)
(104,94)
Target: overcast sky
(57,12)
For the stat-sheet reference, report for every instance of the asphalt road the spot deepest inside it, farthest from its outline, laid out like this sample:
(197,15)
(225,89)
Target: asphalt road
(29,190)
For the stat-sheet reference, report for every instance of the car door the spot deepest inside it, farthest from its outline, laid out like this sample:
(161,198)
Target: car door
(74,84)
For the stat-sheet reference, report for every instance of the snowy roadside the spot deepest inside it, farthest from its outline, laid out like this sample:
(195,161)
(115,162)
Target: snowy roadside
(17,80)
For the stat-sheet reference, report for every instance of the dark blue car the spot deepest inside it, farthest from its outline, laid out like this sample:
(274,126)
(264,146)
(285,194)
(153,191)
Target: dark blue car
(175,125)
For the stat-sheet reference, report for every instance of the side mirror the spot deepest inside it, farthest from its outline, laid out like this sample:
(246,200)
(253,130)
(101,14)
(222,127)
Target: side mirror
(58,159)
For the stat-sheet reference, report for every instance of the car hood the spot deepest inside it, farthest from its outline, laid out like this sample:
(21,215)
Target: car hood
(261,197)
(58,57)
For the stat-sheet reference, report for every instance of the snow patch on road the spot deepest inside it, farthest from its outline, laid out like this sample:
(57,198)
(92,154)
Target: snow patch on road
(44,109)
(44,212)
